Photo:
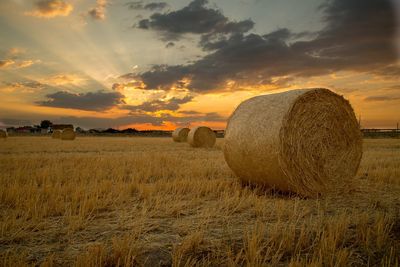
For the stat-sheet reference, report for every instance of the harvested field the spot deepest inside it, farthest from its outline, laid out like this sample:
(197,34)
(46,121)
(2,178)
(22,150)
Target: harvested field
(103,201)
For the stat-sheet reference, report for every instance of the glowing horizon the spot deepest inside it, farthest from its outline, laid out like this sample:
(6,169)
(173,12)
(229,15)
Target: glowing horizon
(102,64)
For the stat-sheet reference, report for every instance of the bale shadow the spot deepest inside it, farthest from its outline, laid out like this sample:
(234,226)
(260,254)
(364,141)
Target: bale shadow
(263,190)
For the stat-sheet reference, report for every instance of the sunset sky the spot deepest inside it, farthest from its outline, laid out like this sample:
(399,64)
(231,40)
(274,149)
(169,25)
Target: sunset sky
(158,65)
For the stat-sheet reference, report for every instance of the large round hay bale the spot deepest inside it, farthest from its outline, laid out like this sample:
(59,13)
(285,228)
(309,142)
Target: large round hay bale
(302,141)
(180,134)
(56,134)
(201,136)
(3,134)
(68,134)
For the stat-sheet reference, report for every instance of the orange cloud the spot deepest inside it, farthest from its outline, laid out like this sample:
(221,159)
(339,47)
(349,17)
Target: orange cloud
(25,63)
(13,60)
(6,63)
(63,79)
(24,87)
(51,9)
(16,64)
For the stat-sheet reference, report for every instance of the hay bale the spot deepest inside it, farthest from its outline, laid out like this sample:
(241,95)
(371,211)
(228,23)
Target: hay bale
(201,136)
(3,134)
(301,141)
(68,134)
(56,134)
(180,134)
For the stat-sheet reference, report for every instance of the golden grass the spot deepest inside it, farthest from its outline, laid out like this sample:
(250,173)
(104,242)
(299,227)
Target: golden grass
(148,201)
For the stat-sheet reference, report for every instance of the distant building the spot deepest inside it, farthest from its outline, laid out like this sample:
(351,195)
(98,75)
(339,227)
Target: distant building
(24,129)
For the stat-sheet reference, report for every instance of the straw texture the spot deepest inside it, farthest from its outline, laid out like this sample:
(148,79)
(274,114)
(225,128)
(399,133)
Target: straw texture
(180,134)
(56,134)
(201,136)
(303,141)
(3,134)
(68,134)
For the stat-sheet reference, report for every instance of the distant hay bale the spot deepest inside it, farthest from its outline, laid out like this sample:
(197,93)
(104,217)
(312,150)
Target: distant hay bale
(56,134)
(68,134)
(301,141)
(180,134)
(201,136)
(3,134)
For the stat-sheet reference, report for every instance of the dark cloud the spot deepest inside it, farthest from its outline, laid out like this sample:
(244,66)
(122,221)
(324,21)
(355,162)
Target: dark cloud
(139,5)
(209,42)
(281,34)
(156,105)
(164,76)
(15,122)
(135,5)
(195,18)
(380,98)
(129,76)
(97,101)
(358,36)
(240,58)
(155,6)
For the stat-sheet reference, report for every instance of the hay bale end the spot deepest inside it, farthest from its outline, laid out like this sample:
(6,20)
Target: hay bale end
(302,141)
(201,136)
(68,134)
(56,134)
(180,134)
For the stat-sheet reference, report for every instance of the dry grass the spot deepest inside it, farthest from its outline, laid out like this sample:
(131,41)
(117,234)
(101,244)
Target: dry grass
(149,201)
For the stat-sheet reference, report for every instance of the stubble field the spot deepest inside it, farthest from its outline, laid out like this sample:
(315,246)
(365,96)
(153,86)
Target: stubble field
(108,201)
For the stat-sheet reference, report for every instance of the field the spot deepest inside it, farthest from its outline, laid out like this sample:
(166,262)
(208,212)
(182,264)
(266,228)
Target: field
(108,201)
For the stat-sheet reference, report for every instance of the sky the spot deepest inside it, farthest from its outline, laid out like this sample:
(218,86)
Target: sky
(161,65)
